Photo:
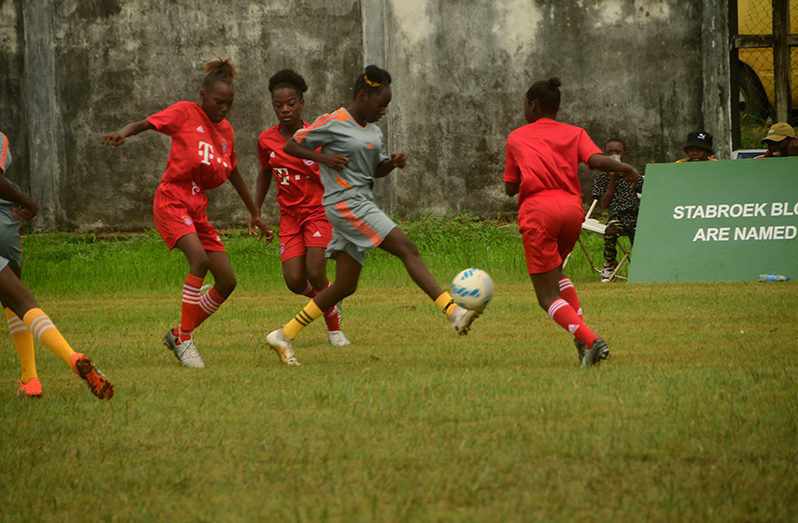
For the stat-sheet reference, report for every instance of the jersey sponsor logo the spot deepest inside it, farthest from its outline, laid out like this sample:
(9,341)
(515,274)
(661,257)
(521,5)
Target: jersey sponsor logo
(282,173)
(195,189)
(206,151)
(224,146)
(272,155)
(371,146)
(200,129)
(317,234)
(282,249)
(186,220)
(309,163)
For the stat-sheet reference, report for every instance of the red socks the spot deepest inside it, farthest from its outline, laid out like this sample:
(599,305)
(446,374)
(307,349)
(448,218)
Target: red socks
(188,309)
(208,304)
(568,293)
(567,318)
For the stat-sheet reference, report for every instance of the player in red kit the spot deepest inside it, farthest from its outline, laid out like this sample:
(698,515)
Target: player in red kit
(202,157)
(541,168)
(304,229)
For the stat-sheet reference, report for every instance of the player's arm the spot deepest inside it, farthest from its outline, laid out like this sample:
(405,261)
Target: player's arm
(385,168)
(335,161)
(8,192)
(606,199)
(254,212)
(264,183)
(607,164)
(131,129)
(512,188)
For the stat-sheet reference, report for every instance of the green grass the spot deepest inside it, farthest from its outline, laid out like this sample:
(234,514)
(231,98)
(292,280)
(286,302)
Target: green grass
(693,418)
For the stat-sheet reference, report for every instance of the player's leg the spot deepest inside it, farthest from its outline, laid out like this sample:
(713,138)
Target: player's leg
(11,249)
(29,384)
(225,283)
(316,237)
(398,244)
(347,275)
(15,296)
(611,233)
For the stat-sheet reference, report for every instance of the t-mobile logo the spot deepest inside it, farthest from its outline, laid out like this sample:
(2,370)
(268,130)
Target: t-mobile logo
(206,151)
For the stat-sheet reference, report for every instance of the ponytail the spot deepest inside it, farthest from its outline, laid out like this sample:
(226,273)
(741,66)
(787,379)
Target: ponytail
(372,81)
(219,71)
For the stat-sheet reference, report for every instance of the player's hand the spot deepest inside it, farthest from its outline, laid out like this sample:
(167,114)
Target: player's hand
(266,232)
(335,161)
(633,177)
(792,147)
(29,210)
(399,160)
(113,140)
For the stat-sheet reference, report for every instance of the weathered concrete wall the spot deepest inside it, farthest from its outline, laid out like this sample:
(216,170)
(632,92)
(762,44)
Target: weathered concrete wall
(80,69)
(13,90)
(628,69)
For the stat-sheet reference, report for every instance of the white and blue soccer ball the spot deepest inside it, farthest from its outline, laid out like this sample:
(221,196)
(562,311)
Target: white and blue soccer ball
(472,289)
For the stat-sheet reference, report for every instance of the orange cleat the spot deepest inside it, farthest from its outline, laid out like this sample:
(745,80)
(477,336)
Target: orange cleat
(31,389)
(100,385)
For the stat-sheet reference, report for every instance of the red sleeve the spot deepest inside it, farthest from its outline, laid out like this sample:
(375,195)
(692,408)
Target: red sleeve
(170,120)
(587,148)
(263,153)
(511,172)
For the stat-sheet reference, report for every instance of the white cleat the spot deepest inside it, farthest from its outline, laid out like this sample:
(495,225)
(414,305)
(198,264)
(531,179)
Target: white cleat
(338,339)
(185,352)
(281,344)
(461,319)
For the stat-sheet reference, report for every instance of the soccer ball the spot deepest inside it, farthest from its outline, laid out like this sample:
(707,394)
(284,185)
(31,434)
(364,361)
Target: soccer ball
(472,289)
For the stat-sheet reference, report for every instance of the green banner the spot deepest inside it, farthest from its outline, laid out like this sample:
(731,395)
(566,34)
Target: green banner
(717,221)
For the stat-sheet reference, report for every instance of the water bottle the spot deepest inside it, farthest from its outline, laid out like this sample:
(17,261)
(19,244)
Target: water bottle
(772,277)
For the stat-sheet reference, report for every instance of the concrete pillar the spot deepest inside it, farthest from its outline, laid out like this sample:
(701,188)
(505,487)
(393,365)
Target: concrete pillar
(44,122)
(374,52)
(717,99)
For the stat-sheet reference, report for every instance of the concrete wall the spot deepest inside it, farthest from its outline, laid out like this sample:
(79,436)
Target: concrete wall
(80,69)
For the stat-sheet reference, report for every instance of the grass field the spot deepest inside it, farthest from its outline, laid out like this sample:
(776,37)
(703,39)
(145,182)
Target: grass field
(693,418)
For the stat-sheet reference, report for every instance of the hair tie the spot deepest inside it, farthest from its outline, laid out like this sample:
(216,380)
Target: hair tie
(370,83)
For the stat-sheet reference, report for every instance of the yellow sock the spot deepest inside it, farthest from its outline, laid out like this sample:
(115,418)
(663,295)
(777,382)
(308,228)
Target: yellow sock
(23,340)
(42,327)
(445,303)
(302,320)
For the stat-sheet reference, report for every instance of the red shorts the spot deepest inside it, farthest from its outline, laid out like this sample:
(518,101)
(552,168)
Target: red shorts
(179,209)
(301,228)
(550,223)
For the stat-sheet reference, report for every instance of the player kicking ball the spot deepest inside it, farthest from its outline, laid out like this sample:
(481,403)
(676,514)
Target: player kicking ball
(352,155)
(304,229)
(541,168)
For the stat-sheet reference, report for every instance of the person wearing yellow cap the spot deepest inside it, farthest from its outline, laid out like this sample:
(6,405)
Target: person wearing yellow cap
(780,141)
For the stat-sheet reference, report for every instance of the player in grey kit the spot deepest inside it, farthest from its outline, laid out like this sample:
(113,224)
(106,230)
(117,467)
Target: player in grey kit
(352,155)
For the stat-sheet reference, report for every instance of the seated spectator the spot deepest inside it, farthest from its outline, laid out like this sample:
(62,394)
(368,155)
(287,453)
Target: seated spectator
(698,148)
(780,141)
(622,200)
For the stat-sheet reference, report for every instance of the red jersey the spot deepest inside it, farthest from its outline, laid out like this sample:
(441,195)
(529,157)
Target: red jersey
(544,156)
(298,181)
(201,152)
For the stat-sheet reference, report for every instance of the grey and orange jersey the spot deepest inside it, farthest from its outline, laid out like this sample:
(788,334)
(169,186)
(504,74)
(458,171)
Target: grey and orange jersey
(5,153)
(364,147)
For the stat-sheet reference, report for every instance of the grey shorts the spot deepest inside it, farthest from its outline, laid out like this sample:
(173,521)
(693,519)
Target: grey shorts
(10,244)
(358,227)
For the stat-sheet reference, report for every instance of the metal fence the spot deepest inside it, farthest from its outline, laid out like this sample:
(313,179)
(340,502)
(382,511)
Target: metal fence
(756,75)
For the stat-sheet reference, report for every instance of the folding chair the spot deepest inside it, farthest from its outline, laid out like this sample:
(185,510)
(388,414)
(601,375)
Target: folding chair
(593,225)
